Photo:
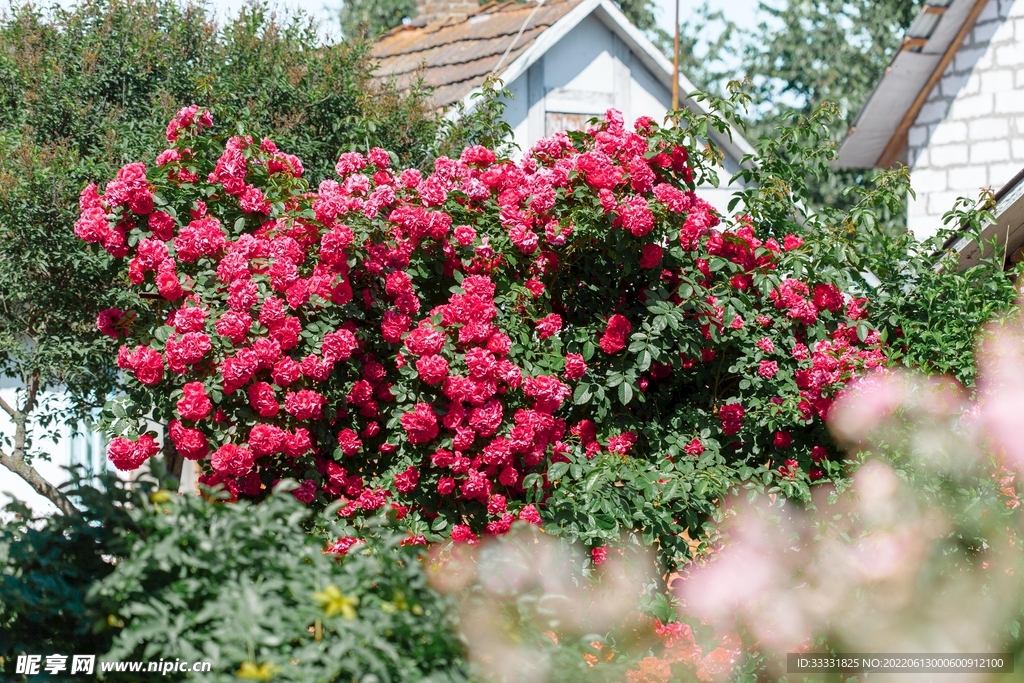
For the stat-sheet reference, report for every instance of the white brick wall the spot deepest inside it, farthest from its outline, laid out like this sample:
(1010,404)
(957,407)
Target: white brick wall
(970,132)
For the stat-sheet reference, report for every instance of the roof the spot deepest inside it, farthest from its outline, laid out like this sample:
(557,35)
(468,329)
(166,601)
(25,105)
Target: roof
(456,54)
(1007,231)
(879,134)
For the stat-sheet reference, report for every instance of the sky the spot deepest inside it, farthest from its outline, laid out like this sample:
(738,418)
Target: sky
(743,13)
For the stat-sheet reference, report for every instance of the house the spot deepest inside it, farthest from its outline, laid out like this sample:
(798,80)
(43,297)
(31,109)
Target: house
(951,107)
(565,61)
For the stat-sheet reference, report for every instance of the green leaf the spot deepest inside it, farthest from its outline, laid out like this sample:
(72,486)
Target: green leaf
(557,471)
(625,393)
(582,394)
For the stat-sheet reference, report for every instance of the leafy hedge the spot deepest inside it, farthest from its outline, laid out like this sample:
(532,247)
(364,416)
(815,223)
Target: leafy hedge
(261,592)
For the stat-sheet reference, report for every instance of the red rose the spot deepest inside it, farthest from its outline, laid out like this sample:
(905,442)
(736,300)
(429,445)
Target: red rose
(622,443)
(109,322)
(425,340)
(407,480)
(232,459)
(306,492)
(548,391)
(304,405)
(263,399)
(575,366)
(530,514)
(194,404)
(463,534)
(189,349)
(651,255)
(268,352)
(614,338)
(234,325)
(420,424)
(486,419)
(316,369)
(433,369)
(286,332)
(125,454)
(783,439)
(792,242)
(297,443)
(147,365)
(190,443)
(393,326)
(731,416)
(338,346)
(266,439)
(828,296)
(349,442)
(549,325)
(286,371)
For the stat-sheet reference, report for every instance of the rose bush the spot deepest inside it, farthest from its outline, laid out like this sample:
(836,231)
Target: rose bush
(575,338)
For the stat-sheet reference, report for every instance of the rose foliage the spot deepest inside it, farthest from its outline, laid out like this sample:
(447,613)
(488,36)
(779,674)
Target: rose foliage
(575,338)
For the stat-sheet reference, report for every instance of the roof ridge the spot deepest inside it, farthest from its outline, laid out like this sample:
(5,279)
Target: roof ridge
(449,48)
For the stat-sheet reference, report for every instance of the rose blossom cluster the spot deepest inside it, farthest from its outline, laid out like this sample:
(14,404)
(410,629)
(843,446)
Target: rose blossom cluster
(377,338)
(680,651)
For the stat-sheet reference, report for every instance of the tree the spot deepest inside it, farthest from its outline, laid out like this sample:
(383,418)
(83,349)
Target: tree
(803,54)
(374,16)
(808,51)
(84,90)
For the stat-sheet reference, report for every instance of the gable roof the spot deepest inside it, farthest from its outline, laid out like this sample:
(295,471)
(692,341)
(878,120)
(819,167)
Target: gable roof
(455,55)
(879,134)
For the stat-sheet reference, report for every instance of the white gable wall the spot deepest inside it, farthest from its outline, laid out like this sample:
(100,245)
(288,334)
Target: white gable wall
(970,132)
(583,75)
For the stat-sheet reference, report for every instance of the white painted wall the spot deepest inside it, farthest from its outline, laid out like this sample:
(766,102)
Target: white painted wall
(587,72)
(970,132)
(84,448)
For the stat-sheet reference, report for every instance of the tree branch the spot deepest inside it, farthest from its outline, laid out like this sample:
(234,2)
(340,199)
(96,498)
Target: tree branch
(39,485)
(8,409)
(16,461)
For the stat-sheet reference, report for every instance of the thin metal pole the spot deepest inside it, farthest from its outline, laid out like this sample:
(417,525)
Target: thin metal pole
(675,63)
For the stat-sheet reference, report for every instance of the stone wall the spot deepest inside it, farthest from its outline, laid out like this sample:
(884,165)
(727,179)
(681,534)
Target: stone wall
(970,132)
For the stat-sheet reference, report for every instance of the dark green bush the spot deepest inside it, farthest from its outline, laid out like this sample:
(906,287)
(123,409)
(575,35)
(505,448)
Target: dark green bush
(146,575)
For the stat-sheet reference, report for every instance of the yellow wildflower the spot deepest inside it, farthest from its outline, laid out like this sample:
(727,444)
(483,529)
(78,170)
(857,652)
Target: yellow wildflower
(263,672)
(161,496)
(334,602)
